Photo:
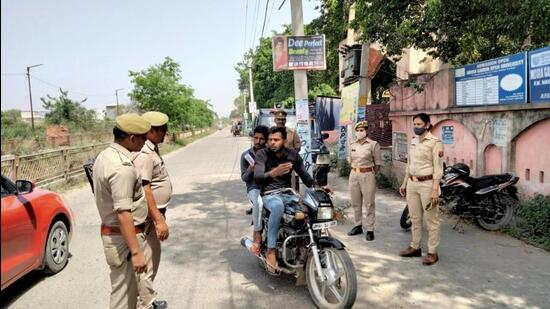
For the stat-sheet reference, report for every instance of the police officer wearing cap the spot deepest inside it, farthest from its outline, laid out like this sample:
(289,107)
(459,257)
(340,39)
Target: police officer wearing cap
(122,209)
(421,187)
(292,139)
(364,158)
(158,191)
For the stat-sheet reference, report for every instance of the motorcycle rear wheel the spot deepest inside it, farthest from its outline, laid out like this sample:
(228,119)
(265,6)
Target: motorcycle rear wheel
(342,290)
(505,205)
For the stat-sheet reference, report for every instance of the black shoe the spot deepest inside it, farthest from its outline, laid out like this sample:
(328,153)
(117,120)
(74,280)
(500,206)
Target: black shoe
(160,304)
(356,230)
(370,235)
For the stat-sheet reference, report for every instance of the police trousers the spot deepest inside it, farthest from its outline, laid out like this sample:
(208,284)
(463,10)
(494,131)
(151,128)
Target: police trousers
(362,187)
(147,292)
(124,281)
(419,194)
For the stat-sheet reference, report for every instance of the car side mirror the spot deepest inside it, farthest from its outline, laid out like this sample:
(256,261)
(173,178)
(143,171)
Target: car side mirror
(24,186)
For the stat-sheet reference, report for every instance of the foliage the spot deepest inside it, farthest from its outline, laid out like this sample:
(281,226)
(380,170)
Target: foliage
(14,126)
(64,111)
(321,90)
(532,222)
(458,32)
(158,88)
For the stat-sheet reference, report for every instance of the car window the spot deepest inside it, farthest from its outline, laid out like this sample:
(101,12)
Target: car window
(7,188)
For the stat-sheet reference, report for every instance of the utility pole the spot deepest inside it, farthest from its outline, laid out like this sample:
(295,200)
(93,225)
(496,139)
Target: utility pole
(116,94)
(30,92)
(300,76)
(252,102)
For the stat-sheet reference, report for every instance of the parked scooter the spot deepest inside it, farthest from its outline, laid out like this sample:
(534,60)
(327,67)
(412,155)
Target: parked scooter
(306,248)
(490,200)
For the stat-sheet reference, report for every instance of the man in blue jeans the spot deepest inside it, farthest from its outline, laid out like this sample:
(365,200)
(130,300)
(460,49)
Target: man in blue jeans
(272,170)
(259,139)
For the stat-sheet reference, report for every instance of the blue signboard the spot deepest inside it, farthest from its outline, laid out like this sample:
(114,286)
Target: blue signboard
(539,75)
(342,143)
(447,135)
(496,81)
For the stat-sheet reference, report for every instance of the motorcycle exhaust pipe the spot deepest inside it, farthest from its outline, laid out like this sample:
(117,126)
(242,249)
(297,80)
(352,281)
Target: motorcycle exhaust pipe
(247,243)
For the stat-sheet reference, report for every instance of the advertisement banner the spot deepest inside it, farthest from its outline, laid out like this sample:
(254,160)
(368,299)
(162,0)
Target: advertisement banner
(299,52)
(327,113)
(539,75)
(302,111)
(447,135)
(349,103)
(497,81)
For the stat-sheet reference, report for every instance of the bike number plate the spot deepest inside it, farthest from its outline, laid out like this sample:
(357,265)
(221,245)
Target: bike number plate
(323,225)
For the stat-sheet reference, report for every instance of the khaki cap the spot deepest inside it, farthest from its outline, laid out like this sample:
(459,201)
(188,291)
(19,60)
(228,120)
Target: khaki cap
(361,124)
(157,119)
(132,124)
(280,113)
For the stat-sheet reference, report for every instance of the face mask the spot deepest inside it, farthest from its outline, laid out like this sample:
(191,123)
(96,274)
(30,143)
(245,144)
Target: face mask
(419,131)
(361,134)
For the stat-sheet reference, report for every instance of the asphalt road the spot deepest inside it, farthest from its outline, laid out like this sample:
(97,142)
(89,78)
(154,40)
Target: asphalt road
(204,266)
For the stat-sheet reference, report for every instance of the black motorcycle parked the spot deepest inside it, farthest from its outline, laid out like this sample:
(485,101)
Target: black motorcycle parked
(305,248)
(490,200)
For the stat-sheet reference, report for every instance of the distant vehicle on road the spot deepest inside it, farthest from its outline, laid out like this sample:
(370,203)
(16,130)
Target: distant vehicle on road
(36,229)
(220,126)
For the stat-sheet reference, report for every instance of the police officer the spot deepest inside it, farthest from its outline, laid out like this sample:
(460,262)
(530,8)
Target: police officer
(421,186)
(158,191)
(364,158)
(292,140)
(122,209)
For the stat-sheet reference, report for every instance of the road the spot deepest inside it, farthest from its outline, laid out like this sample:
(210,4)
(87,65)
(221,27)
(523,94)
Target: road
(204,266)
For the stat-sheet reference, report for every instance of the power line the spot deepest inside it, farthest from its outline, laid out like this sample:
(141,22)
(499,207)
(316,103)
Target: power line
(270,12)
(255,24)
(265,18)
(71,91)
(12,74)
(282,4)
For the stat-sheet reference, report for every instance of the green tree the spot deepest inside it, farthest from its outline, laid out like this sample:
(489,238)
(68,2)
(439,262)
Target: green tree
(458,32)
(159,88)
(13,125)
(64,111)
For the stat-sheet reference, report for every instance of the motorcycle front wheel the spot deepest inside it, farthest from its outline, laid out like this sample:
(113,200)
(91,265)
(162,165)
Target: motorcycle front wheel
(504,205)
(339,290)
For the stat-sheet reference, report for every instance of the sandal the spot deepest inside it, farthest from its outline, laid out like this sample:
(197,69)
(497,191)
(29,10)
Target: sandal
(272,270)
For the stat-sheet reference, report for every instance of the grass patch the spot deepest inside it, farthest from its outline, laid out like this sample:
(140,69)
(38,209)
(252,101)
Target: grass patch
(532,222)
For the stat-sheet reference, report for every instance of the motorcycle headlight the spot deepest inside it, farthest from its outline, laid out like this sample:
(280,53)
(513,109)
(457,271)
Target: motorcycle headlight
(324,213)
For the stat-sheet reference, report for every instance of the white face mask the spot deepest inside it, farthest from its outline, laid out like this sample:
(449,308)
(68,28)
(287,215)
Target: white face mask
(361,134)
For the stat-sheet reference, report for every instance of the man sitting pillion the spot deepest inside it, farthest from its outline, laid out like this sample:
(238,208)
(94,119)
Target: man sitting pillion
(272,171)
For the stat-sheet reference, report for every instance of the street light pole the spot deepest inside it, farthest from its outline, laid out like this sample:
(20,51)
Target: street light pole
(30,92)
(116,93)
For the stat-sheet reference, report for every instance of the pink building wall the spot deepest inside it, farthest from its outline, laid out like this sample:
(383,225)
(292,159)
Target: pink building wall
(463,148)
(532,158)
(493,160)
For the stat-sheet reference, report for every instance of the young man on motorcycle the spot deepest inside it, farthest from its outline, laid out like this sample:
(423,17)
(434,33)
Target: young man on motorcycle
(272,171)
(259,139)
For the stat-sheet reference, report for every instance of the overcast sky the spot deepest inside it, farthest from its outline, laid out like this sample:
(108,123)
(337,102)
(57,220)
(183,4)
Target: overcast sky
(87,47)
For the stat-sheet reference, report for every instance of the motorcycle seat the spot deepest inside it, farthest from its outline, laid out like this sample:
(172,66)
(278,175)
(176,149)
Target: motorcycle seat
(489,180)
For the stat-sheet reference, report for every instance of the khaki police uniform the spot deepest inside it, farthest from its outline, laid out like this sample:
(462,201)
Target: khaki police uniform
(423,168)
(117,186)
(152,168)
(292,139)
(363,157)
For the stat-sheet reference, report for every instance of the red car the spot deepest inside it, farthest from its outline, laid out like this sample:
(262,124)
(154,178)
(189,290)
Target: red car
(36,229)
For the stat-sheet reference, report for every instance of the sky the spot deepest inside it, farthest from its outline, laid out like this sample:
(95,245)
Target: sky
(88,47)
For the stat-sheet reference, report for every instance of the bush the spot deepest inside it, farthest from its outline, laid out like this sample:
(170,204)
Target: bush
(344,168)
(532,221)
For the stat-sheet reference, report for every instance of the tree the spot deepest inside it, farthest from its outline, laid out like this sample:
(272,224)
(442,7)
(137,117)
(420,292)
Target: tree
(64,111)
(458,32)
(158,88)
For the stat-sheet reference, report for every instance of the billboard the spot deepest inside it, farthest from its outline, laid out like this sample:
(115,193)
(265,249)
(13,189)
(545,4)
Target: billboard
(539,75)
(299,52)
(497,81)
(349,104)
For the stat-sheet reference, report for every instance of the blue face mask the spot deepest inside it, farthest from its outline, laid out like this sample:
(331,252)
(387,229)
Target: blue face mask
(419,131)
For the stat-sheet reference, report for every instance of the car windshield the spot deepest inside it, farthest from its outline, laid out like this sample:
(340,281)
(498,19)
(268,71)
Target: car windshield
(269,121)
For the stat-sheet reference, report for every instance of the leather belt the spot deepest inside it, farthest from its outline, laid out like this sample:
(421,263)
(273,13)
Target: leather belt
(421,178)
(362,169)
(115,230)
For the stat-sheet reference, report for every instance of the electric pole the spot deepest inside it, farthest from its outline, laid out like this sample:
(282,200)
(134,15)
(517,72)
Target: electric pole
(300,76)
(30,92)
(116,94)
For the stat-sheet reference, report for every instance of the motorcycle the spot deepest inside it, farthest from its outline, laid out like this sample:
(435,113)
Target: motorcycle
(489,200)
(306,248)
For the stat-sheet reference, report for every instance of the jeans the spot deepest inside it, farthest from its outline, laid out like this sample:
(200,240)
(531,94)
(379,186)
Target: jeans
(256,214)
(276,205)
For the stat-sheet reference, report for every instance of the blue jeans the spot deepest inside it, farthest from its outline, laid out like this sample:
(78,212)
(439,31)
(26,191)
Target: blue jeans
(276,205)
(256,214)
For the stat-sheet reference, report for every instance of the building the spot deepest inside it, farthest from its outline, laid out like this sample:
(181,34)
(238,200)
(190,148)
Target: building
(39,116)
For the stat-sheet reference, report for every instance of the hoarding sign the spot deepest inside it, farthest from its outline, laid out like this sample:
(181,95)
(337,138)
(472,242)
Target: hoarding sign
(350,96)
(539,75)
(447,135)
(497,81)
(299,52)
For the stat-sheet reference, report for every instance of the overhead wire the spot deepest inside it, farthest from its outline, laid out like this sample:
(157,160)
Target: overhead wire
(72,91)
(257,11)
(265,18)
(270,13)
